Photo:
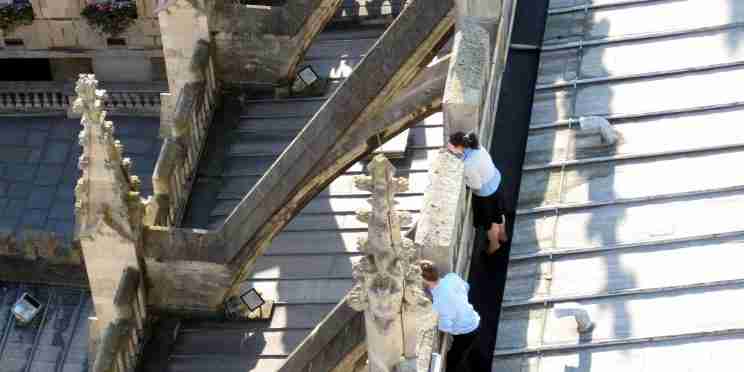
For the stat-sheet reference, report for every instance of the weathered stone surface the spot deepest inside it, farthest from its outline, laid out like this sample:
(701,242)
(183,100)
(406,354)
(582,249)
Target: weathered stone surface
(484,9)
(262,45)
(18,269)
(342,322)
(308,166)
(186,105)
(187,286)
(113,337)
(438,229)
(185,29)
(467,78)
(174,244)
(187,111)
(388,281)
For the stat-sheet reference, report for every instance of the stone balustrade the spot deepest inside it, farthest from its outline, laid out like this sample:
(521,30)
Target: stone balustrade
(57,97)
(23,97)
(141,103)
(185,125)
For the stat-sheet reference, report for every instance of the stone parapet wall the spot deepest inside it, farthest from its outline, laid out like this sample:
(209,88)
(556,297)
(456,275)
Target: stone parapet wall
(39,245)
(446,229)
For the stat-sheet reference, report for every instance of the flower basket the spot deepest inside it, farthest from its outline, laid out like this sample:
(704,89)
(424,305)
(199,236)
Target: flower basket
(14,15)
(110,18)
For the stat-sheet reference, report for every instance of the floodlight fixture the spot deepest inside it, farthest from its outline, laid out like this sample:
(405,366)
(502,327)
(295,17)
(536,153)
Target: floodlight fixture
(26,308)
(252,299)
(307,75)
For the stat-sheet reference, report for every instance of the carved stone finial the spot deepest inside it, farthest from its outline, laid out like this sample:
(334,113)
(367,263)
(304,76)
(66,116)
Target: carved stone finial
(104,190)
(387,279)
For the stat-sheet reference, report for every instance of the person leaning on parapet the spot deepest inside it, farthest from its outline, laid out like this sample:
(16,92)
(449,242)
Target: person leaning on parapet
(484,179)
(456,315)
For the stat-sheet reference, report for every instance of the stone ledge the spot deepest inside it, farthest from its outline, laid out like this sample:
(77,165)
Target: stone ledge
(176,244)
(16,269)
(439,227)
(38,244)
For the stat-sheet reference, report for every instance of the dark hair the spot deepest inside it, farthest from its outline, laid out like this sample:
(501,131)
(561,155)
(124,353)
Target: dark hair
(428,271)
(469,140)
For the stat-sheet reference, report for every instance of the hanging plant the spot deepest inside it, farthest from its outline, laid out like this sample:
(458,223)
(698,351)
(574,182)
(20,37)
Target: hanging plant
(110,18)
(14,15)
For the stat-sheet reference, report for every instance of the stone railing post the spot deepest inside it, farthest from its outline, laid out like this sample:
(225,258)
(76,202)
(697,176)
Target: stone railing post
(388,284)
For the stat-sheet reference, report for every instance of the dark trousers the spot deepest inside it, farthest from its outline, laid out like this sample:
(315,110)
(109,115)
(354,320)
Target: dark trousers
(458,357)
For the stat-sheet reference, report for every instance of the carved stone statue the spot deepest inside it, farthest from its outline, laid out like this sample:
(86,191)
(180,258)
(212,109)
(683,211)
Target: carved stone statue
(388,285)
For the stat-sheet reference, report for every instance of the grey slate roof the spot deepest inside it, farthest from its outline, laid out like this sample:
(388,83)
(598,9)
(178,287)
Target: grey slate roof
(307,268)
(644,237)
(56,341)
(38,168)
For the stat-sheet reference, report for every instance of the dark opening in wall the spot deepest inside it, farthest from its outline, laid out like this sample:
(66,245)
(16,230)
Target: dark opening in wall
(158,69)
(25,69)
(116,41)
(263,2)
(13,42)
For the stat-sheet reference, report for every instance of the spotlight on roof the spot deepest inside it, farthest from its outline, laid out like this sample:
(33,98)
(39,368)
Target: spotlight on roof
(26,308)
(305,78)
(252,299)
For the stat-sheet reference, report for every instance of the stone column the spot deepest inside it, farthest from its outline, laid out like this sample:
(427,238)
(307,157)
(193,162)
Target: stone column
(388,285)
(470,64)
(108,207)
(185,29)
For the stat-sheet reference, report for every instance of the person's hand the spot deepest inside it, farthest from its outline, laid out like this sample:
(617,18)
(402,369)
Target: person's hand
(453,149)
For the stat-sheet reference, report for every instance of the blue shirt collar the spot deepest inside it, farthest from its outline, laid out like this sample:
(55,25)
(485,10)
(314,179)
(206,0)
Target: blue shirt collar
(467,152)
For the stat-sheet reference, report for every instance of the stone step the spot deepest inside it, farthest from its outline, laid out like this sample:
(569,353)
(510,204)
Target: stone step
(315,243)
(285,317)
(281,108)
(330,222)
(416,160)
(201,363)
(217,344)
(264,143)
(344,45)
(304,267)
(307,291)
(331,205)
(233,189)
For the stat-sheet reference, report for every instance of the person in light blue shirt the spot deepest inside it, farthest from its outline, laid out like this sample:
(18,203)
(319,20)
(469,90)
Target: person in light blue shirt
(456,315)
(484,179)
